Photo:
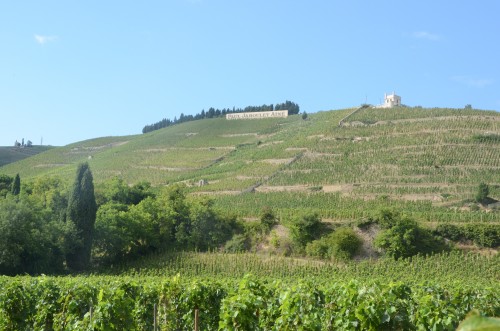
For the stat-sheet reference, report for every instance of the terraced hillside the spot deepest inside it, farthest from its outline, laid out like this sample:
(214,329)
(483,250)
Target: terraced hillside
(14,154)
(411,158)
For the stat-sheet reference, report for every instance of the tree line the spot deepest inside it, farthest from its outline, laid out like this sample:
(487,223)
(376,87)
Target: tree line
(48,227)
(292,108)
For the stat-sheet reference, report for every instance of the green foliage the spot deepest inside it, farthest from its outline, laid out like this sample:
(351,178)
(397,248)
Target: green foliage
(304,115)
(486,138)
(306,228)
(30,241)
(5,185)
(405,238)
(268,218)
(250,303)
(16,185)
(345,243)
(238,243)
(118,191)
(168,220)
(449,231)
(342,244)
(241,309)
(483,235)
(208,230)
(82,210)
(482,192)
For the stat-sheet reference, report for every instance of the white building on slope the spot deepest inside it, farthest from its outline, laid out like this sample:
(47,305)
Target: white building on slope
(390,100)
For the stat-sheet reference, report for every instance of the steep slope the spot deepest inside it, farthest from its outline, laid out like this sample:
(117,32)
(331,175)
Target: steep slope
(411,158)
(14,154)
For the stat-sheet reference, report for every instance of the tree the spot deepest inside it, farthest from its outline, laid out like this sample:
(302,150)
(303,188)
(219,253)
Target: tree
(304,115)
(82,210)
(267,218)
(482,192)
(405,238)
(5,185)
(341,244)
(29,240)
(16,185)
(305,229)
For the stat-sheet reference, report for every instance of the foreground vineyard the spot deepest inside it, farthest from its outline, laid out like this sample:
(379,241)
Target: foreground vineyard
(135,303)
(418,294)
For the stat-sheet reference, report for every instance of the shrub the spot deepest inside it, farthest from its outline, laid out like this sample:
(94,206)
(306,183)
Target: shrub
(238,243)
(482,192)
(483,235)
(341,244)
(449,231)
(305,229)
(405,238)
(267,219)
(345,243)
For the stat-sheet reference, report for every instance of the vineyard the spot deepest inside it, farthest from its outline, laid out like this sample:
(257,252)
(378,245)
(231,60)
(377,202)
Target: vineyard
(427,162)
(418,165)
(216,292)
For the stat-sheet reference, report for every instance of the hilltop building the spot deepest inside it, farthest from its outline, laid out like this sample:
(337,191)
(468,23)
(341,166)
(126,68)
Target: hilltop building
(390,100)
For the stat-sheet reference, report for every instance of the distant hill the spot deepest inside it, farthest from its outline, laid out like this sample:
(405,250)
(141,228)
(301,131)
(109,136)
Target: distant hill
(413,157)
(14,154)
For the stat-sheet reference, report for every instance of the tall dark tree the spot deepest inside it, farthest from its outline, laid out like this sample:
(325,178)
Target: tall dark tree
(82,209)
(482,193)
(16,185)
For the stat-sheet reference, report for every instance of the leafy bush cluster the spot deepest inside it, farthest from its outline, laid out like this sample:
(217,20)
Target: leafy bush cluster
(483,235)
(402,237)
(343,243)
(49,228)
(486,138)
(168,220)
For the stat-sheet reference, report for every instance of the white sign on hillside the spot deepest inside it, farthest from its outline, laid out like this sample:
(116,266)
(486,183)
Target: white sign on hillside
(257,115)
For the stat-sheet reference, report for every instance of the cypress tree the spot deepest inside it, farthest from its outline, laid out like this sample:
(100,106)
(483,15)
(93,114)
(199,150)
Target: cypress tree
(16,185)
(82,209)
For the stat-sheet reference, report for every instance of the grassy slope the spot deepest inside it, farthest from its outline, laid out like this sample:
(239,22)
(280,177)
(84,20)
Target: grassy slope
(409,154)
(14,154)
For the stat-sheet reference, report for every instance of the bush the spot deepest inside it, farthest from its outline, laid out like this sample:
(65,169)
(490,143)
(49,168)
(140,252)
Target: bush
(483,235)
(267,219)
(405,238)
(305,229)
(345,243)
(341,244)
(238,243)
(482,192)
(449,231)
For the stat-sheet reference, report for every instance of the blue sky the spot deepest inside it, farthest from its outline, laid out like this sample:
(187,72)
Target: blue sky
(74,70)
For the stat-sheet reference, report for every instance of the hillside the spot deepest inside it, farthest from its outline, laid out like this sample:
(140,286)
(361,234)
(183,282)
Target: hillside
(14,154)
(410,158)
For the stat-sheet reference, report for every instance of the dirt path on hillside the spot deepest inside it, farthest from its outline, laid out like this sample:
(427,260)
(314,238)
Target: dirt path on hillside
(51,165)
(227,192)
(84,149)
(165,168)
(277,161)
(271,143)
(169,149)
(233,135)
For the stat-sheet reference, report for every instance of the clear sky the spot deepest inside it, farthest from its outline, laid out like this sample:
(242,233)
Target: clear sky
(74,70)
